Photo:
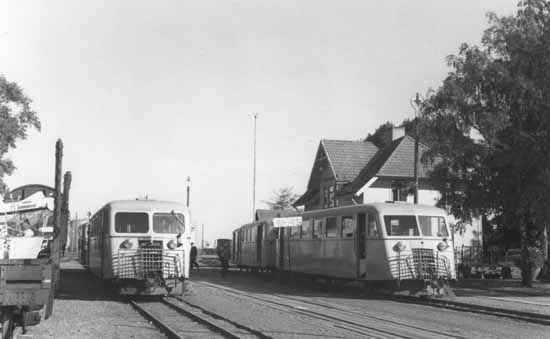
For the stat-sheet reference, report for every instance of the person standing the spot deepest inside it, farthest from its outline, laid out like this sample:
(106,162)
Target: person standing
(193,255)
(224,254)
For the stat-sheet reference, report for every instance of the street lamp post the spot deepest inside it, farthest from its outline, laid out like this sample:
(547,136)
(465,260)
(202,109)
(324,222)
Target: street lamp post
(188,185)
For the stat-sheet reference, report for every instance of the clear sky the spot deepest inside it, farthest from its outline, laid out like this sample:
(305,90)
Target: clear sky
(146,93)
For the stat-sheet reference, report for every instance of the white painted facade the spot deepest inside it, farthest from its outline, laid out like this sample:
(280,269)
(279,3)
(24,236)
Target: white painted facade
(379,191)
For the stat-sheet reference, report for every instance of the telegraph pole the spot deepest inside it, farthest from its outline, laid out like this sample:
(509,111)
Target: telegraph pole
(254,178)
(416,105)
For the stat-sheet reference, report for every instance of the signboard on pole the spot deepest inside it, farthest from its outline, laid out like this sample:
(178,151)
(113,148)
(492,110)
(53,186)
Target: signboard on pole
(287,222)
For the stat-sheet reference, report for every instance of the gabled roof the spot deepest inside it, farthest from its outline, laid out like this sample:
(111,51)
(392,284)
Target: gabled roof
(345,157)
(395,160)
(269,214)
(348,158)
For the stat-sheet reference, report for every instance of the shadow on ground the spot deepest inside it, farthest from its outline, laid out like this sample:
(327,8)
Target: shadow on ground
(79,284)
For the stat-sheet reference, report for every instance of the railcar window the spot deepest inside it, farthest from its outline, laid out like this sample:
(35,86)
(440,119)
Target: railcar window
(306,229)
(404,225)
(295,232)
(131,222)
(433,226)
(317,227)
(372,226)
(331,227)
(347,227)
(167,223)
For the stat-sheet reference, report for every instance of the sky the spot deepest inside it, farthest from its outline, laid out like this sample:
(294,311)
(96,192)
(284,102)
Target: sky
(146,93)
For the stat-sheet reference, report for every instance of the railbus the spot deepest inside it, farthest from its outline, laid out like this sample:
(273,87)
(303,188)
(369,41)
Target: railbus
(379,242)
(141,246)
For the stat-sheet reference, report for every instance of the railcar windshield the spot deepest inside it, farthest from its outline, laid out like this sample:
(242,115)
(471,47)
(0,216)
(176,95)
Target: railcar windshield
(167,223)
(401,225)
(433,226)
(131,222)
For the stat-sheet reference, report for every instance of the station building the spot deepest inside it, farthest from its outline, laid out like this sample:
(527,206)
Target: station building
(348,172)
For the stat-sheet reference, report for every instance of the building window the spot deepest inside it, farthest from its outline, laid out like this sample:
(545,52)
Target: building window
(400,191)
(326,198)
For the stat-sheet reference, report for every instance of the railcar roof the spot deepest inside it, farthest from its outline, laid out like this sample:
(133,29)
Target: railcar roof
(146,205)
(383,208)
(252,224)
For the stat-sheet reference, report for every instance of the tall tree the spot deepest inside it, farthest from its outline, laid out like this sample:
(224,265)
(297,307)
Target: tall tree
(282,199)
(498,92)
(16,117)
(382,136)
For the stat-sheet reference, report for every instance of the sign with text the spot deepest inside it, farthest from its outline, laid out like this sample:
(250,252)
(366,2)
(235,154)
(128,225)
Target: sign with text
(287,222)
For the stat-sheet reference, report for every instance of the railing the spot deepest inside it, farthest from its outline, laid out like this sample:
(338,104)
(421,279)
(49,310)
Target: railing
(421,264)
(145,263)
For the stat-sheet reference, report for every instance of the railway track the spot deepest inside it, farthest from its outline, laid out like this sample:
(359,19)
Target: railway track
(464,307)
(352,324)
(531,317)
(178,320)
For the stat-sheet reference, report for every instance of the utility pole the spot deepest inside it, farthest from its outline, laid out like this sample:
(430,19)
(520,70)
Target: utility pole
(188,185)
(254,178)
(416,105)
(202,237)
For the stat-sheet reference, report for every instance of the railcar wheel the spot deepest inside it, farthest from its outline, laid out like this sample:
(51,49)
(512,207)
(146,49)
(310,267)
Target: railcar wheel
(7,324)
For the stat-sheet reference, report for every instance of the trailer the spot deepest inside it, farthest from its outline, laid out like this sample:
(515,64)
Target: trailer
(32,223)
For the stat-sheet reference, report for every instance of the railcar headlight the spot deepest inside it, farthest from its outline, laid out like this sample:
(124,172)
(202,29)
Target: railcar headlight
(442,246)
(171,244)
(399,247)
(126,244)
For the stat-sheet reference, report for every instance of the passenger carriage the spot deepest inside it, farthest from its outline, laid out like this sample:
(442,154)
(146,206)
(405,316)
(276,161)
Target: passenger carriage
(372,242)
(142,246)
(253,246)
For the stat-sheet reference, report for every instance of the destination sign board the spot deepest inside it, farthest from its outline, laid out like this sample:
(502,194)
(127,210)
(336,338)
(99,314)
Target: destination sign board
(287,222)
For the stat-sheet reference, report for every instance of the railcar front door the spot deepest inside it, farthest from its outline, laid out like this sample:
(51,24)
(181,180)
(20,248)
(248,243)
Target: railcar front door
(361,246)
(281,249)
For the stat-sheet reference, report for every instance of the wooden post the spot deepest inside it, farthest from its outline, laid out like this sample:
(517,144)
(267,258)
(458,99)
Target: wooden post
(55,253)
(65,213)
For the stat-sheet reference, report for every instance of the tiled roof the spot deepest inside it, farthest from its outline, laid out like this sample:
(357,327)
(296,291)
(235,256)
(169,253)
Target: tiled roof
(395,160)
(348,158)
(401,161)
(269,214)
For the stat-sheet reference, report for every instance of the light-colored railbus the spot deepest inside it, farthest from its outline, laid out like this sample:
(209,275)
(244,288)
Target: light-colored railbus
(142,246)
(371,242)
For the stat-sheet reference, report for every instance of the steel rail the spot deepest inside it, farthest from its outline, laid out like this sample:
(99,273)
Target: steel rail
(531,317)
(458,306)
(172,334)
(211,324)
(212,321)
(323,316)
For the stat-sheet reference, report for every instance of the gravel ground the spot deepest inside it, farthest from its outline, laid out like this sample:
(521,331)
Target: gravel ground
(470,325)
(86,309)
(270,321)
(506,294)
